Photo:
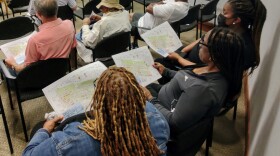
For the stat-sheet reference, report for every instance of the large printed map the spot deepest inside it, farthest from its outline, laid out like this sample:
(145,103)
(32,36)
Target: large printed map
(139,62)
(76,87)
(162,39)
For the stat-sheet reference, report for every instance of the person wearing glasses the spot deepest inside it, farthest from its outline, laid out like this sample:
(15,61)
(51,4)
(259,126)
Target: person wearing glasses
(244,17)
(198,92)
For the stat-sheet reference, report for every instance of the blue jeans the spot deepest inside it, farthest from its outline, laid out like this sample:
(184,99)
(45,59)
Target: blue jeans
(158,125)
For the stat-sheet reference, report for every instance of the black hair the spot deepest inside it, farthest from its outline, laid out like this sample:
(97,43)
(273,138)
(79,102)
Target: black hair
(253,15)
(226,49)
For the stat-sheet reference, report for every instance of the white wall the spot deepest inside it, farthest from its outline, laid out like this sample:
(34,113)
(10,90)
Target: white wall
(265,89)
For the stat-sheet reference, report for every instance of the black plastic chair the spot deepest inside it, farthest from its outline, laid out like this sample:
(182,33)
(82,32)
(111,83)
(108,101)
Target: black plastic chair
(190,21)
(87,9)
(109,46)
(190,141)
(146,2)
(6,126)
(19,6)
(207,13)
(15,27)
(65,12)
(127,4)
(29,82)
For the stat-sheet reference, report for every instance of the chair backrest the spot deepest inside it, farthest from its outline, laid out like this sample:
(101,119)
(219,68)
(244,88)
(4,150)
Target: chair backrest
(189,141)
(42,73)
(127,4)
(111,45)
(176,26)
(65,12)
(210,7)
(18,3)
(15,27)
(192,15)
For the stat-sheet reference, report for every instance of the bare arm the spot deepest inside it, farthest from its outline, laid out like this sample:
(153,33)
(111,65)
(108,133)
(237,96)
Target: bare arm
(150,7)
(10,62)
(189,47)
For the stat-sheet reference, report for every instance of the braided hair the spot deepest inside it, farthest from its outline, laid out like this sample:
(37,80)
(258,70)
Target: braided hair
(226,49)
(120,122)
(253,15)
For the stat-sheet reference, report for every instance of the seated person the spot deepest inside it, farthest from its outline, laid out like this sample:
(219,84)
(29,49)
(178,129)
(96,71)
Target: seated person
(156,14)
(115,19)
(199,92)
(241,16)
(119,125)
(71,3)
(55,39)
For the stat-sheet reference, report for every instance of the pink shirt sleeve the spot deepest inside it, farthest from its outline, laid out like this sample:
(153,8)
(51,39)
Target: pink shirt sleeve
(31,52)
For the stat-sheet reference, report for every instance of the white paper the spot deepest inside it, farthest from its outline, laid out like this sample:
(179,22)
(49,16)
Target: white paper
(16,48)
(162,39)
(75,87)
(139,62)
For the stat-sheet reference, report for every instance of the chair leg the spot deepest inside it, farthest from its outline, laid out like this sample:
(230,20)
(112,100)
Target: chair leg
(234,111)
(9,93)
(196,32)
(21,114)
(23,122)
(6,127)
(200,29)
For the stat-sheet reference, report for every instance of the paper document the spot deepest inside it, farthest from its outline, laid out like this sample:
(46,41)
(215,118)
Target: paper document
(139,62)
(162,39)
(75,87)
(16,49)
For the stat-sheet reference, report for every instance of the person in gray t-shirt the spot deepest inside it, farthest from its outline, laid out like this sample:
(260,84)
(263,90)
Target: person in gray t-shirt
(197,93)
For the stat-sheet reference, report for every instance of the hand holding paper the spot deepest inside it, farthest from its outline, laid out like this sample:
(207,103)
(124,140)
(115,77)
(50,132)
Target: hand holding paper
(162,39)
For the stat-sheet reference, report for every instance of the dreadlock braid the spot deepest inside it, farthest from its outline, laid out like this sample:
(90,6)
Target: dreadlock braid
(226,49)
(120,121)
(253,15)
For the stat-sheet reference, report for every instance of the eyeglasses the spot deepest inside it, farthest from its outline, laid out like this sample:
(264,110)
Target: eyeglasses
(202,41)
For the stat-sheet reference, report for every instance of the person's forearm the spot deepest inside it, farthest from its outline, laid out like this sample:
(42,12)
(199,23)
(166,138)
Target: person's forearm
(149,8)
(183,62)
(189,47)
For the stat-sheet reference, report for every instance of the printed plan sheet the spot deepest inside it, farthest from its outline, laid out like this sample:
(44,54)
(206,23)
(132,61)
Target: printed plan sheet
(139,62)
(16,49)
(162,39)
(76,87)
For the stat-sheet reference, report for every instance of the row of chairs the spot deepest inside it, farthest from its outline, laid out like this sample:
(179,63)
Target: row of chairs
(198,14)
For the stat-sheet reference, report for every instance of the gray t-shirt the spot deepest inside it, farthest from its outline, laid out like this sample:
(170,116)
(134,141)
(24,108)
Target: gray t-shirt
(189,97)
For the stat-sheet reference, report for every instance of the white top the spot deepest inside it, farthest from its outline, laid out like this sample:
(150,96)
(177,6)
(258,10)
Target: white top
(170,11)
(70,3)
(110,23)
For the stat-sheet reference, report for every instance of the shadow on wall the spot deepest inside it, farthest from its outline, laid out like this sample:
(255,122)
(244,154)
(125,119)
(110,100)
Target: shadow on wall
(260,91)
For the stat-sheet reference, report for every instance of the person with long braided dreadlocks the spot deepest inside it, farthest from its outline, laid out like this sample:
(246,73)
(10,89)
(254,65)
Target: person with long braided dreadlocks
(244,17)
(196,93)
(122,124)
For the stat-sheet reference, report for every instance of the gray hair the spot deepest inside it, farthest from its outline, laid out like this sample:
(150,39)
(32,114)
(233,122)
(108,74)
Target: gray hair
(47,8)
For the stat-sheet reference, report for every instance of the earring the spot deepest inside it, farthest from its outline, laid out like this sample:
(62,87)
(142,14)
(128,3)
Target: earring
(233,23)
(210,59)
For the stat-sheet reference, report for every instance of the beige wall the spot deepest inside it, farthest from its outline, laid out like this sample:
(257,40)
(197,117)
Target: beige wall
(264,87)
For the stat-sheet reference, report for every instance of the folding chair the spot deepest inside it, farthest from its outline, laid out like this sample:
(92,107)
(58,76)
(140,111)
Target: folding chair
(190,21)
(29,82)
(65,12)
(146,2)
(87,9)
(19,6)
(207,13)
